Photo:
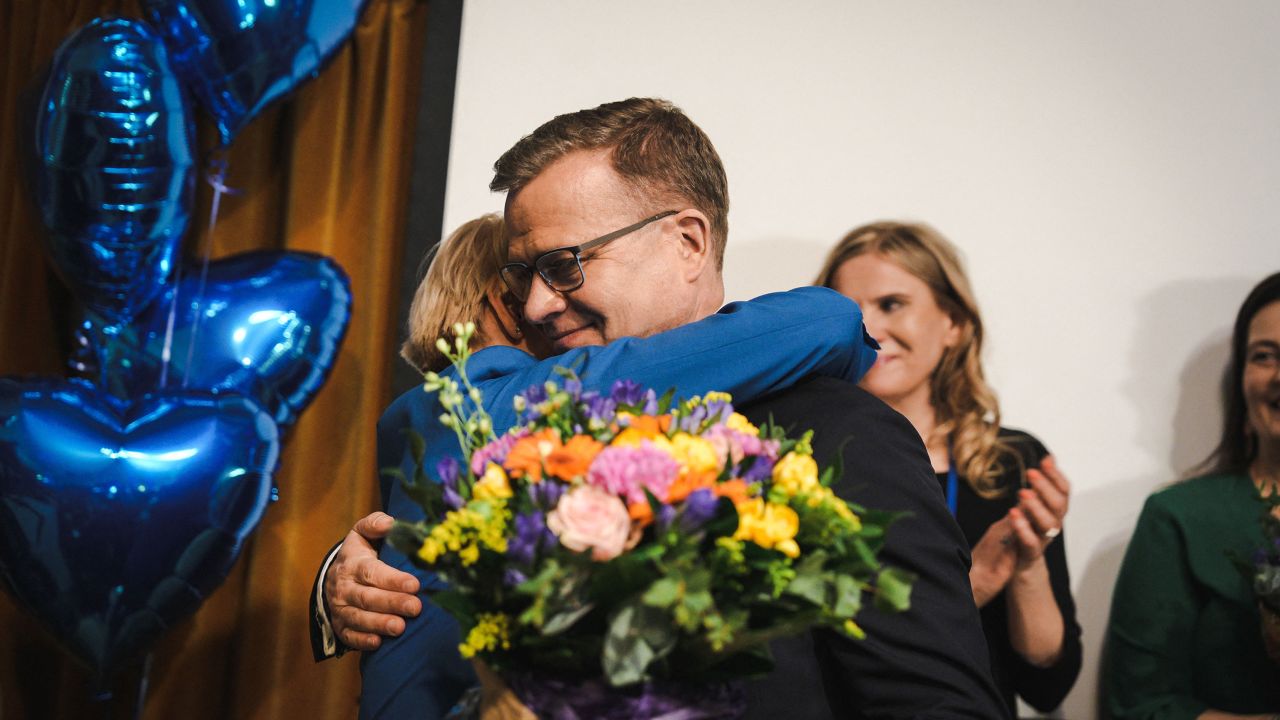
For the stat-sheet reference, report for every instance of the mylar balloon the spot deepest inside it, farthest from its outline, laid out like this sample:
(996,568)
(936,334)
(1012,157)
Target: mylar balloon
(117,520)
(267,325)
(238,56)
(115,179)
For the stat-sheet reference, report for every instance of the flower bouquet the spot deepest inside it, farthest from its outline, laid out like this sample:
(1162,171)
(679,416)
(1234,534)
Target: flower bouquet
(1264,573)
(626,555)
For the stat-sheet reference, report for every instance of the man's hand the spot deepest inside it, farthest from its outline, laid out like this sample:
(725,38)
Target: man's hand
(367,598)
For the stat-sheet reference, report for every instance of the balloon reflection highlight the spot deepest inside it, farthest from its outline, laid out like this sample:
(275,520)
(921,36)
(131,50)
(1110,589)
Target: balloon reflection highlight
(267,325)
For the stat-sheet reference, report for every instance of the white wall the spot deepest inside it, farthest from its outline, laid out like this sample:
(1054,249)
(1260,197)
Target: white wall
(1111,171)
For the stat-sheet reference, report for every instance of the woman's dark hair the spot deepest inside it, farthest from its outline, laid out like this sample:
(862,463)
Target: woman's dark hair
(1238,447)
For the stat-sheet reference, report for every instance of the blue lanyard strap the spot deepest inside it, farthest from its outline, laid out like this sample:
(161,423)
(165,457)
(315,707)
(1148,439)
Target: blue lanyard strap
(953,484)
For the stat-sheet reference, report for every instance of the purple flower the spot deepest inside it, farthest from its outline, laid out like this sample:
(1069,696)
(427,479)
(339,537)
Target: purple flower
(699,507)
(529,536)
(535,394)
(599,407)
(512,577)
(452,498)
(447,470)
(627,471)
(758,469)
(650,403)
(546,494)
(666,515)
(719,410)
(693,421)
(496,451)
(626,392)
(573,386)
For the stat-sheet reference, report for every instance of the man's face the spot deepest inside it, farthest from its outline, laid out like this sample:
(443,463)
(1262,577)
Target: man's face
(635,285)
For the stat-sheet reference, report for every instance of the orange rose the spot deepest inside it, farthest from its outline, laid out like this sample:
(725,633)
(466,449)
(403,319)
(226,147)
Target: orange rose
(641,513)
(735,489)
(687,482)
(572,459)
(527,455)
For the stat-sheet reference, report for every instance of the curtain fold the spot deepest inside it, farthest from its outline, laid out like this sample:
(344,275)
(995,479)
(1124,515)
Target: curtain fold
(326,171)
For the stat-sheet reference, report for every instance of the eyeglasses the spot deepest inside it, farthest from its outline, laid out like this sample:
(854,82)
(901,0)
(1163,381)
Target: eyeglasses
(561,269)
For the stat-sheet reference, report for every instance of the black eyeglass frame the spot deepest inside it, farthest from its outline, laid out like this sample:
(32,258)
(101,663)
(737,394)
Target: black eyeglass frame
(576,251)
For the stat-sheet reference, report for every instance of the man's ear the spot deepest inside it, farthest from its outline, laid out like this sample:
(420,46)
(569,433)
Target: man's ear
(697,248)
(505,312)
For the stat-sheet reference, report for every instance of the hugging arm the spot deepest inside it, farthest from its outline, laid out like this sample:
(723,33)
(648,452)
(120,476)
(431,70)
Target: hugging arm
(748,349)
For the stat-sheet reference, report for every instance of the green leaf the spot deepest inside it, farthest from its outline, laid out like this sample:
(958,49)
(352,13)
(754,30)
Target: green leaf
(663,593)
(637,636)
(564,619)
(848,596)
(810,587)
(893,589)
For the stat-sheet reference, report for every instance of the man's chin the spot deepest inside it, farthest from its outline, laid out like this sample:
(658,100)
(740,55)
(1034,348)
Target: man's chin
(582,337)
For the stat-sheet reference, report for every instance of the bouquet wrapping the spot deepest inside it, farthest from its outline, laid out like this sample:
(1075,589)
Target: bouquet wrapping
(629,551)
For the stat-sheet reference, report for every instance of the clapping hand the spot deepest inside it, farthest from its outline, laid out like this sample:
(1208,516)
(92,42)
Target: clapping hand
(1017,541)
(368,599)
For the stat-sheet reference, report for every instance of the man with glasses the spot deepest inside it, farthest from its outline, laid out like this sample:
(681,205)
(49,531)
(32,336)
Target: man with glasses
(617,218)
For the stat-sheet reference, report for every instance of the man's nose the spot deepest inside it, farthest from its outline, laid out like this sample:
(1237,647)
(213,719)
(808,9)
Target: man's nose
(543,303)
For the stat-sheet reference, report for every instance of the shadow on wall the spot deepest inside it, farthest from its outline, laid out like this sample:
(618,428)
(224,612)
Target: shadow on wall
(762,265)
(1178,421)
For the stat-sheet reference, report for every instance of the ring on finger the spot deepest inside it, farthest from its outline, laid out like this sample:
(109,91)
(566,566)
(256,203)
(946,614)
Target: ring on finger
(1052,533)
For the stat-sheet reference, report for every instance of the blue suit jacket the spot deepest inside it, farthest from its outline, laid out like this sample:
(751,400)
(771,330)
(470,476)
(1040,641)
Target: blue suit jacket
(748,349)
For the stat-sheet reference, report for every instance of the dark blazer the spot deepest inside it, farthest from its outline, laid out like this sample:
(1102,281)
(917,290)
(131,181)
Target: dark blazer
(930,662)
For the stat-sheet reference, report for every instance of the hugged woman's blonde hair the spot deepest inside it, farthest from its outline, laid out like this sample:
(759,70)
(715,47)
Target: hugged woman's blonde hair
(966,407)
(463,268)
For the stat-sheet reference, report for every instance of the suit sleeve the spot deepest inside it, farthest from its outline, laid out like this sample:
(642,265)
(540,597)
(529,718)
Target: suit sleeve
(748,349)
(1153,616)
(930,661)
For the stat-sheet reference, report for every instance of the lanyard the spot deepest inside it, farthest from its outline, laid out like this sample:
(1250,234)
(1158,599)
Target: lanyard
(953,484)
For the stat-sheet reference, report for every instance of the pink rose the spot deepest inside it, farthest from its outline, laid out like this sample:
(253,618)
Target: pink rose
(589,517)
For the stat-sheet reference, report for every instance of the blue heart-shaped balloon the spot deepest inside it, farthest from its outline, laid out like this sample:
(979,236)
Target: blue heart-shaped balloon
(119,518)
(267,325)
(238,56)
(115,176)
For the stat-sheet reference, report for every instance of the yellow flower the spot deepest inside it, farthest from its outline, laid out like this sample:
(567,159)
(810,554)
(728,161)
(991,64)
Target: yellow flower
(492,631)
(852,629)
(739,422)
(769,525)
(466,530)
(493,484)
(796,474)
(694,454)
(717,396)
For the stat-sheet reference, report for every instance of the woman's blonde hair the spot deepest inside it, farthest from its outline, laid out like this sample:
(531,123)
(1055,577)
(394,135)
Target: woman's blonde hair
(462,269)
(966,407)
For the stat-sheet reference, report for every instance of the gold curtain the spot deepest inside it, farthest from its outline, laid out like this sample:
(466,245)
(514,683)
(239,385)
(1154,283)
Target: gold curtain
(326,171)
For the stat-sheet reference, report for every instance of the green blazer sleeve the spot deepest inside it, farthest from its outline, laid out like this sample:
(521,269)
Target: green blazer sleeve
(1153,613)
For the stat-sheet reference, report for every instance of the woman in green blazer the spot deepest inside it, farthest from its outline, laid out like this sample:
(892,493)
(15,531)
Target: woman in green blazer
(1185,638)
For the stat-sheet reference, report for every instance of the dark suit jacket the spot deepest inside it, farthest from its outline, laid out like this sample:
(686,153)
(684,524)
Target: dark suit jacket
(930,662)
